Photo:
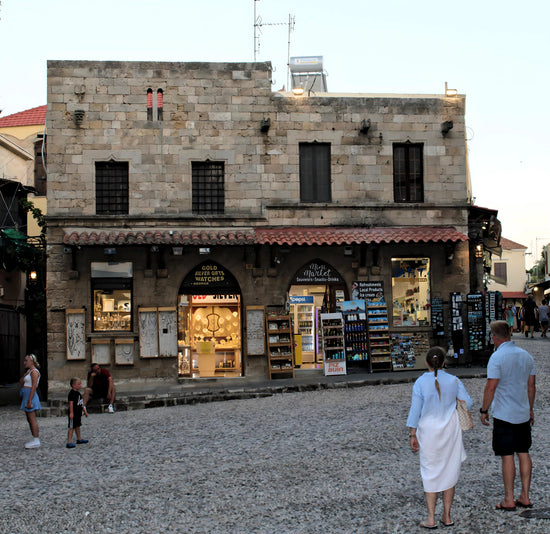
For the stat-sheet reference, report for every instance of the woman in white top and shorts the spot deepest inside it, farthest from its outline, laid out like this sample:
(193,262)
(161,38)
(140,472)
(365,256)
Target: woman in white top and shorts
(29,397)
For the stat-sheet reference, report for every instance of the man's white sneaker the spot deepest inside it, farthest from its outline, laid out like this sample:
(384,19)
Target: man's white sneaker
(32,444)
(110,409)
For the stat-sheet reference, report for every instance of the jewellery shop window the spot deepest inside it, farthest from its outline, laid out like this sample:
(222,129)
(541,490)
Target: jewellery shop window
(112,296)
(411,291)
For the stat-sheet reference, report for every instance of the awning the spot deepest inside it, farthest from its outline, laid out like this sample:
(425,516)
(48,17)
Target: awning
(267,236)
(513,295)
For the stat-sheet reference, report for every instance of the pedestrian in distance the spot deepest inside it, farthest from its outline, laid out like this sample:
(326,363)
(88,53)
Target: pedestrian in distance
(100,387)
(544,313)
(530,315)
(75,411)
(434,432)
(510,318)
(510,394)
(30,402)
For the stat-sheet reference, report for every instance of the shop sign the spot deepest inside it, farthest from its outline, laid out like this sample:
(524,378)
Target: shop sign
(214,299)
(317,272)
(301,299)
(209,276)
(335,368)
(372,292)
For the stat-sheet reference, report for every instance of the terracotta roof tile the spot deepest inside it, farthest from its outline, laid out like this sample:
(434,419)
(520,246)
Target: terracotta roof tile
(270,236)
(29,117)
(508,244)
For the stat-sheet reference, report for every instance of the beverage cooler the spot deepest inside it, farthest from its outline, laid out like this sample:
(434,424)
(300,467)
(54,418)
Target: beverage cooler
(302,311)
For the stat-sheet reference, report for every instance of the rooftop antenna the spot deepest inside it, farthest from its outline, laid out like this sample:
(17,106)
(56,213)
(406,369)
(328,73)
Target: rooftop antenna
(258,23)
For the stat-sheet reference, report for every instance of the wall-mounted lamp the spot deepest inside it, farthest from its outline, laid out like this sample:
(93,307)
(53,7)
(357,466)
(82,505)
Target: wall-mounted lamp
(33,275)
(177,251)
(204,250)
(446,127)
(264,125)
(298,91)
(154,248)
(78,116)
(365,125)
(109,251)
(479,251)
(348,251)
(450,92)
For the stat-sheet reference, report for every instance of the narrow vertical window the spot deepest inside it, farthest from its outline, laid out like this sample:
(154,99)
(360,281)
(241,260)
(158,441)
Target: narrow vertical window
(315,179)
(160,115)
(208,187)
(149,104)
(408,172)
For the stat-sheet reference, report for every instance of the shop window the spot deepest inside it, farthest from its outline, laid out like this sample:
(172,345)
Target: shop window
(501,272)
(112,296)
(315,172)
(111,187)
(408,172)
(411,291)
(208,187)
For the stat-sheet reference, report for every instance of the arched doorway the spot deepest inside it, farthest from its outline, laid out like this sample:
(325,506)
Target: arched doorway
(209,323)
(315,288)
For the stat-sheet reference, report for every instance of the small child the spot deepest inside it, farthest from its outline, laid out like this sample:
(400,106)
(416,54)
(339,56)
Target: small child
(76,408)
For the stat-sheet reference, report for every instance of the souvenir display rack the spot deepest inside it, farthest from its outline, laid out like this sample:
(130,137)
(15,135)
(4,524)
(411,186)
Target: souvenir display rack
(379,336)
(476,321)
(332,336)
(409,350)
(356,334)
(280,345)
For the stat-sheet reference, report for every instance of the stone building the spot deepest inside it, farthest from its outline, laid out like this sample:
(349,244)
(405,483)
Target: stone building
(183,195)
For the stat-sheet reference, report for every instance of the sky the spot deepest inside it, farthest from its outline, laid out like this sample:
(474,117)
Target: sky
(496,52)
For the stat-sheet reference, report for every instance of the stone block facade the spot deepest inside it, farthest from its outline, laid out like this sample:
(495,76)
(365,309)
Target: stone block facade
(214,112)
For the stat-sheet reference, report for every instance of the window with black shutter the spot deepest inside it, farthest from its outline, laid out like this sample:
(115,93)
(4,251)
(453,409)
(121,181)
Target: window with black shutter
(408,172)
(315,172)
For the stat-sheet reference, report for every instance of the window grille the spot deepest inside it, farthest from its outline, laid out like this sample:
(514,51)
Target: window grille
(111,188)
(208,187)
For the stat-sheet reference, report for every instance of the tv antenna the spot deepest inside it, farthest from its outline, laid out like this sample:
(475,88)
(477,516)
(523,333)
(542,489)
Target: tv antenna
(258,23)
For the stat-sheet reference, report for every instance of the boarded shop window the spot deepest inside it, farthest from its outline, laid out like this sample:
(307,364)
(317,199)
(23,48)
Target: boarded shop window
(408,172)
(112,296)
(315,172)
(208,187)
(501,272)
(111,187)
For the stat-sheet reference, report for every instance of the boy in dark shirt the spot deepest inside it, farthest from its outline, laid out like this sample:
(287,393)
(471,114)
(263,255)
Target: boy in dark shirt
(76,407)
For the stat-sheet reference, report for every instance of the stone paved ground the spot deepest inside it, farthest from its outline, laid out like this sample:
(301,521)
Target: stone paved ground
(333,461)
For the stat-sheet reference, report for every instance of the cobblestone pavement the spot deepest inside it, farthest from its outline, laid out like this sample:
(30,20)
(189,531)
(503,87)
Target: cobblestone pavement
(330,461)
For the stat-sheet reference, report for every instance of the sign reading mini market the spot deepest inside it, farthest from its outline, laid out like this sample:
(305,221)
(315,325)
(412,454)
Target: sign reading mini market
(317,272)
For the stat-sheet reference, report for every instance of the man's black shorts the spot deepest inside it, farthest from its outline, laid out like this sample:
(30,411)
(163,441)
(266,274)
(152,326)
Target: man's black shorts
(76,421)
(509,438)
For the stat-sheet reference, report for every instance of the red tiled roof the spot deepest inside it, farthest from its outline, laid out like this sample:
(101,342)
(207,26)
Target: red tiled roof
(508,244)
(270,236)
(30,117)
(161,237)
(349,236)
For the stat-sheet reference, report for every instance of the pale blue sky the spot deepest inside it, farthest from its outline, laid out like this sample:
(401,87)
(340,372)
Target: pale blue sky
(494,52)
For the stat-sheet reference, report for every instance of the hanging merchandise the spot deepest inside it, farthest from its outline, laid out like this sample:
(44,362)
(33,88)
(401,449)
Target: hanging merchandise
(438,324)
(476,321)
(457,327)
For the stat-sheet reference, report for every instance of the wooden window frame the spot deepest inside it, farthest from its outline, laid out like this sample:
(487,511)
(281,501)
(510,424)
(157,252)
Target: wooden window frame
(408,172)
(315,172)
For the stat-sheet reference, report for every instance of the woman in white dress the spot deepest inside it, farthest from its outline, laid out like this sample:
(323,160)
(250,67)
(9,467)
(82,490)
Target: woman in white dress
(435,432)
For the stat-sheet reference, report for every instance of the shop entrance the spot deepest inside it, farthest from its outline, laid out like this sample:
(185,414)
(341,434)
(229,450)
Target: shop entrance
(316,288)
(209,323)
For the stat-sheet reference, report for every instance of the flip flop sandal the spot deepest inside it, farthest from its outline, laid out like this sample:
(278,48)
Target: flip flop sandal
(521,505)
(505,508)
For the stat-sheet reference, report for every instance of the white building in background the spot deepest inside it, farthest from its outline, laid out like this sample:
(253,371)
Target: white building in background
(508,274)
